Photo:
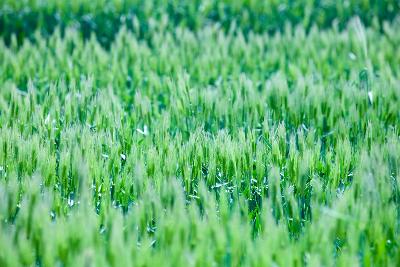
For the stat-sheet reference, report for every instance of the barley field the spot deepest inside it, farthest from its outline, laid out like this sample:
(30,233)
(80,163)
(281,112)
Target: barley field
(199,133)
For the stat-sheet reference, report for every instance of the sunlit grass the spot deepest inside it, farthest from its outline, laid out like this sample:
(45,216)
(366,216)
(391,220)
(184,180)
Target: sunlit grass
(201,147)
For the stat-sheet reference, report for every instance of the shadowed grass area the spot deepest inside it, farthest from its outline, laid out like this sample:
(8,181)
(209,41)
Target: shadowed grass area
(105,17)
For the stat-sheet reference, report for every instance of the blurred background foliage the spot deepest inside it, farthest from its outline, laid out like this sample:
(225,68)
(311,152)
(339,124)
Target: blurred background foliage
(104,18)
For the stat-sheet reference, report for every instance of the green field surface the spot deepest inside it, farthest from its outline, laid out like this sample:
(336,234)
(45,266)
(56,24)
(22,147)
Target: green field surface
(199,133)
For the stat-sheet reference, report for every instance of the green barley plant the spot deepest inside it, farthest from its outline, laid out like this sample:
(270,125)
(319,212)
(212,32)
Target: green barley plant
(205,133)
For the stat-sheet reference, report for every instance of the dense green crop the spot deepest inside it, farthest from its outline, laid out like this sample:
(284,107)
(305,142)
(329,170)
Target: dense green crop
(200,145)
(105,17)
